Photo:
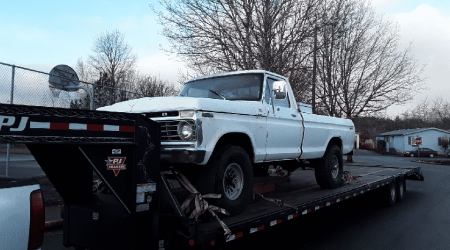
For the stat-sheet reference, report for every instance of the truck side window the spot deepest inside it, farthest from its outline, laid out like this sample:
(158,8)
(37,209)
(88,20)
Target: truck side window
(269,94)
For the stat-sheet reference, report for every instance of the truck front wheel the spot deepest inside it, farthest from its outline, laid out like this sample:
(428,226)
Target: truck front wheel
(230,174)
(329,168)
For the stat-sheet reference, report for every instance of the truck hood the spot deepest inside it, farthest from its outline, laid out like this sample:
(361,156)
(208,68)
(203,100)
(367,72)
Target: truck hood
(155,104)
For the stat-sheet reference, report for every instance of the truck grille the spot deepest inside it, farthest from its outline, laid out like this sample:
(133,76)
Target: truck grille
(169,131)
(162,114)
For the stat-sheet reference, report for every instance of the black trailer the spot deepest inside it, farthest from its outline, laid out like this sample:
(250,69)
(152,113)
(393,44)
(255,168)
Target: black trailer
(105,165)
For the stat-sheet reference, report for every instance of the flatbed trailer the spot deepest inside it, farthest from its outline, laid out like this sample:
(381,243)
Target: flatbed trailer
(134,205)
(303,196)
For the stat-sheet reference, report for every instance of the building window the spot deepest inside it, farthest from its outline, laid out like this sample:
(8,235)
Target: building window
(444,141)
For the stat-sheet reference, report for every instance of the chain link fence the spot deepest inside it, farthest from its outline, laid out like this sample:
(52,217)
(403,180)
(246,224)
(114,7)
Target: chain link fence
(19,85)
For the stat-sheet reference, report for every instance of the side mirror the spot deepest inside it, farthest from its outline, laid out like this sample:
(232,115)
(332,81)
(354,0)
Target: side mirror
(280,90)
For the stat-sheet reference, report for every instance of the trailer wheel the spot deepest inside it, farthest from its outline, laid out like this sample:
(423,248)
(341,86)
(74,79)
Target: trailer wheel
(400,188)
(330,168)
(230,174)
(389,194)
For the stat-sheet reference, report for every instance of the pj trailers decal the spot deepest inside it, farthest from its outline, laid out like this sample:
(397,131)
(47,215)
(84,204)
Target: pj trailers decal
(116,164)
(8,121)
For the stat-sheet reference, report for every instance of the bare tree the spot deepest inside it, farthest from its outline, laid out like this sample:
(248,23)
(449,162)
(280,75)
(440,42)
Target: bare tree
(85,72)
(152,86)
(433,111)
(111,69)
(441,110)
(221,35)
(113,57)
(361,68)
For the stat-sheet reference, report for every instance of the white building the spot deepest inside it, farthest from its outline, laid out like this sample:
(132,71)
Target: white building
(403,140)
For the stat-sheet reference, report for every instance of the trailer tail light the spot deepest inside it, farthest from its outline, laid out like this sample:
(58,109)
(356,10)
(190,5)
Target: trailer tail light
(37,220)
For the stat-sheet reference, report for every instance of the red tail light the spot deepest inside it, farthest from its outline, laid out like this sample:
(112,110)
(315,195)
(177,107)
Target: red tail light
(37,220)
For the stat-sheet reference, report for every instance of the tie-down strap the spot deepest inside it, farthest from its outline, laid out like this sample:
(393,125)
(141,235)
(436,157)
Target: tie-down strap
(201,205)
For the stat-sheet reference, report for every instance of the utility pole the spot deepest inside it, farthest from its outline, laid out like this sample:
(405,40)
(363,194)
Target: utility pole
(314,71)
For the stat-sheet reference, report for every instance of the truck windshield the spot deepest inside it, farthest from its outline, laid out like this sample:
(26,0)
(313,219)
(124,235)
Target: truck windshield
(236,87)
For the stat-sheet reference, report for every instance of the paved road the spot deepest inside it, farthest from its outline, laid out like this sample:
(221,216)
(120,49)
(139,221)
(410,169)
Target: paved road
(20,166)
(420,221)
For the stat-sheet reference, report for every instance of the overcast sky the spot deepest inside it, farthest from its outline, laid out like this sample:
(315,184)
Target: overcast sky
(43,34)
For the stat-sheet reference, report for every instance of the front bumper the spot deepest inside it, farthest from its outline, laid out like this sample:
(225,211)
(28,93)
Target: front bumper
(182,156)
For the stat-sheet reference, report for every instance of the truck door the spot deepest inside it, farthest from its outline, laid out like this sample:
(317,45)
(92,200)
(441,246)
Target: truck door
(284,127)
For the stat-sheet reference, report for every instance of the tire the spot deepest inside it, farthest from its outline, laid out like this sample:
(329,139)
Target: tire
(431,155)
(389,194)
(230,174)
(400,188)
(412,155)
(330,168)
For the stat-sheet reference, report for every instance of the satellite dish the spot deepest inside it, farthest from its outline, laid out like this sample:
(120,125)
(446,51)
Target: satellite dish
(64,77)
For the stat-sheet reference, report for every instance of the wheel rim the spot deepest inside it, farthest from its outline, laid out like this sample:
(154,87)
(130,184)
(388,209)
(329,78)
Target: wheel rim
(334,167)
(412,155)
(431,155)
(233,181)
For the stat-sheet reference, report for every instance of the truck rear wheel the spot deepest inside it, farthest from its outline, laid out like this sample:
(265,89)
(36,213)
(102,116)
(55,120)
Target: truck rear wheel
(330,168)
(230,174)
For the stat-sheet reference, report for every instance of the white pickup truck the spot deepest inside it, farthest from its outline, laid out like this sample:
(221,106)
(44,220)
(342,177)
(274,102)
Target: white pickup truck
(22,214)
(223,129)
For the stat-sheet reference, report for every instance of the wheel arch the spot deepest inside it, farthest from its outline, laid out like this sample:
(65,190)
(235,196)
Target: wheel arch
(238,139)
(335,141)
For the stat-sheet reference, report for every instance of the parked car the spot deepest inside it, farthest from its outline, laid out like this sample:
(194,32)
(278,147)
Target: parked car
(22,214)
(422,152)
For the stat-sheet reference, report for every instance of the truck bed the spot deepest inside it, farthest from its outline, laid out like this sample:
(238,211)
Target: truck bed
(303,193)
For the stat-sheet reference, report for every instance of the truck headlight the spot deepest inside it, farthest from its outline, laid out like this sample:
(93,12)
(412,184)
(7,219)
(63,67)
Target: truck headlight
(185,130)
(186,113)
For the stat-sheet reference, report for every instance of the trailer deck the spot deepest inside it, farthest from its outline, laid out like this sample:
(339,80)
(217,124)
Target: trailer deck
(303,193)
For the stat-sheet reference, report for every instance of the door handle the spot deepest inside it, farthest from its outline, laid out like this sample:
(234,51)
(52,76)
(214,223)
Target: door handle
(293,115)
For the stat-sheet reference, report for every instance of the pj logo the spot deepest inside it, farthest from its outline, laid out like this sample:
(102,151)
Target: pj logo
(8,121)
(116,164)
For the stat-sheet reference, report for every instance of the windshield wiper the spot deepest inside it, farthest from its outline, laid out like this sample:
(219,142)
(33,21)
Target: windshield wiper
(214,92)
